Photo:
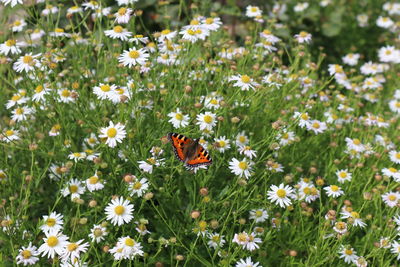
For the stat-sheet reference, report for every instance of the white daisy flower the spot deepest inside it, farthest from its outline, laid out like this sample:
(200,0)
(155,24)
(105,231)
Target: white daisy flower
(118,32)
(105,91)
(392,173)
(241,168)
(10,46)
(395,249)
(348,254)
(343,176)
(18,25)
(222,144)
(54,221)
(394,156)
(303,37)
(138,187)
(75,188)
(244,82)
(259,215)
(133,57)
(384,22)
(317,126)
(247,263)
(27,63)
(123,15)
(114,134)
(215,240)
(333,191)
(54,244)
(253,11)
(119,211)
(77,156)
(93,183)
(351,59)
(281,195)
(247,151)
(178,119)
(391,199)
(98,233)
(73,250)
(10,135)
(206,121)
(27,255)
(12,3)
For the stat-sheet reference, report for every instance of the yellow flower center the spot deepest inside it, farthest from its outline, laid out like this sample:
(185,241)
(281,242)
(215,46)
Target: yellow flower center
(243,165)
(119,210)
(179,116)
(51,222)
(392,197)
(267,32)
(343,175)
(15,98)
(72,246)
(129,242)
(281,193)
(112,132)
(356,141)
(214,101)
(222,143)
(355,214)
(203,225)
(27,59)
(397,155)
(52,241)
(216,238)
(334,188)
(307,190)
(19,111)
(285,136)
(258,213)
(134,54)
(105,88)
(39,88)
(242,237)
(122,11)
(165,32)
(10,42)
(245,78)
(17,23)
(209,20)
(242,139)
(118,29)
(194,22)
(191,32)
(254,9)
(340,225)
(397,104)
(137,186)
(97,232)
(392,169)
(316,125)
(303,34)
(9,132)
(77,154)
(93,180)
(304,116)
(73,188)
(26,254)
(139,36)
(207,119)
(348,252)
(65,93)
(59,30)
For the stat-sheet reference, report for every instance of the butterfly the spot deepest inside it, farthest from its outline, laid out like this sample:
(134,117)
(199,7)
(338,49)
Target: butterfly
(189,151)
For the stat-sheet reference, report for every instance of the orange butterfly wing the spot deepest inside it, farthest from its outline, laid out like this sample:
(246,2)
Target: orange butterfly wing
(202,158)
(178,141)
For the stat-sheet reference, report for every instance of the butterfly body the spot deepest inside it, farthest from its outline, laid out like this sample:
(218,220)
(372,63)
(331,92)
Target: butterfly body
(189,151)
